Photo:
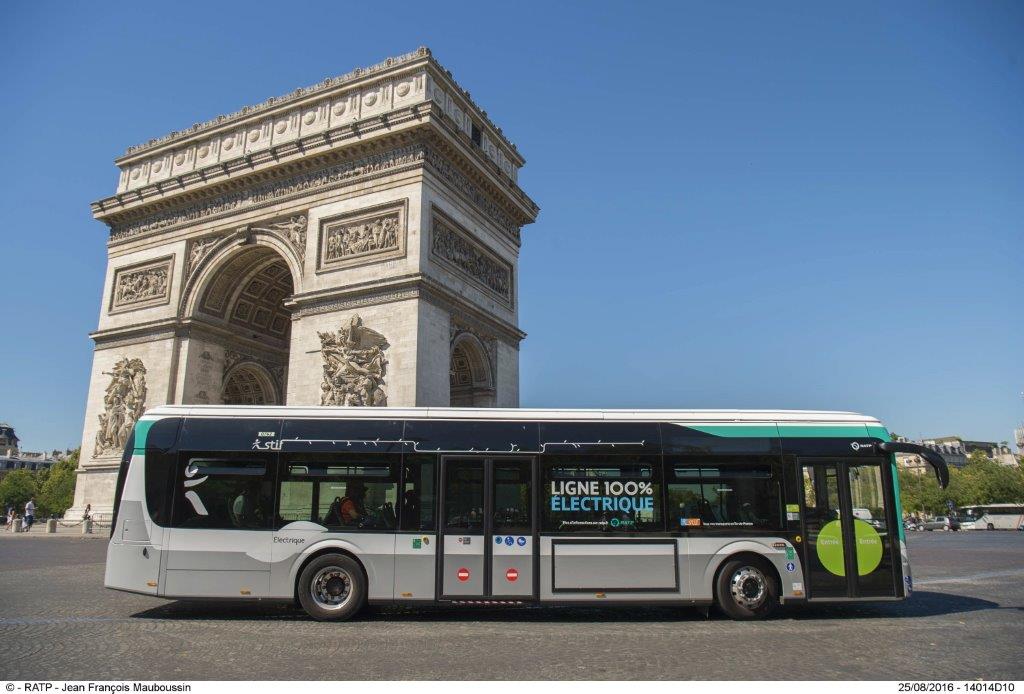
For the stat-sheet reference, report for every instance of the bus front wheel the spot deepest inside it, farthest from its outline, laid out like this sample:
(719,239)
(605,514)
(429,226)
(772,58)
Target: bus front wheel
(332,587)
(747,589)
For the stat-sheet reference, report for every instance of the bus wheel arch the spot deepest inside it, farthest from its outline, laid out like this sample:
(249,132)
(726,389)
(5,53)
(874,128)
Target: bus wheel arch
(750,567)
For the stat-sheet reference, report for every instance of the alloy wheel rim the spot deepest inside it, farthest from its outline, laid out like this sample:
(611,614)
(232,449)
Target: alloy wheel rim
(331,588)
(748,587)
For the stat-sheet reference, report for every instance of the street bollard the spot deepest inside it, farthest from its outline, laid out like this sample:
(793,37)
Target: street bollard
(87,526)
(51,526)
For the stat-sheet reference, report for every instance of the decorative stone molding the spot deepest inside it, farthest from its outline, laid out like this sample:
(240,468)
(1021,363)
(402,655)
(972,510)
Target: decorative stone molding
(354,366)
(365,236)
(461,183)
(273,192)
(371,299)
(198,249)
(275,102)
(292,230)
(456,249)
(123,404)
(142,285)
(414,78)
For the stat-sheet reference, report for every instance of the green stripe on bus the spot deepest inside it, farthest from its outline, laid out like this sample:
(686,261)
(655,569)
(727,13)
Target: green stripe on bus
(752,431)
(141,432)
(825,431)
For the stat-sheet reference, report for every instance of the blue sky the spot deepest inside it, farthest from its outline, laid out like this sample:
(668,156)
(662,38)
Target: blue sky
(763,205)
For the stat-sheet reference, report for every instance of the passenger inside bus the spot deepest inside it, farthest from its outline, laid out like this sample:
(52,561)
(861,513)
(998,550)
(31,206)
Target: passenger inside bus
(353,507)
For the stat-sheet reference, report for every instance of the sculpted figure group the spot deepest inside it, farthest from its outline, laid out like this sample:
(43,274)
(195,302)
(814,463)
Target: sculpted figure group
(377,234)
(141,285)
(123,404)
(354,366)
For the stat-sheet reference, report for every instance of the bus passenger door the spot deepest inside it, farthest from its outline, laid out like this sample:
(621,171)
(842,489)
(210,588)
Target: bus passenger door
(462,528)
(488,524)
(849,532)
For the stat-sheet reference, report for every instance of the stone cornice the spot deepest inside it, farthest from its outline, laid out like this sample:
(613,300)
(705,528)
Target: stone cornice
(411,286)
(378,92)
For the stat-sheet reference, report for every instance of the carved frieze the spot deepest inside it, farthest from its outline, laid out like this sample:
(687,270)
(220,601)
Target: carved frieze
(455,248)
(364,236)
(446,170)
(142,285)
(123,404)
(272,192)
(354,366)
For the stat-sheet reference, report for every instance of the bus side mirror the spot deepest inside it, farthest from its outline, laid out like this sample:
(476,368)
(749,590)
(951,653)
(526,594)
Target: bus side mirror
(930,457)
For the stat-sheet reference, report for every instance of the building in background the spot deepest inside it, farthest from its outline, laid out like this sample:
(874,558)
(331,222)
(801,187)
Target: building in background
(13,458)
(8,440)
(998,452)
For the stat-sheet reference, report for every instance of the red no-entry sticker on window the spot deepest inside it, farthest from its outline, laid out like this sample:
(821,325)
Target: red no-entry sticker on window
(462,574)
(511,574)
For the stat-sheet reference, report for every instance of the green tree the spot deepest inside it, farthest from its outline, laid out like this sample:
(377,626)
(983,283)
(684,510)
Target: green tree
(16,488)
(981,481)
(57,491)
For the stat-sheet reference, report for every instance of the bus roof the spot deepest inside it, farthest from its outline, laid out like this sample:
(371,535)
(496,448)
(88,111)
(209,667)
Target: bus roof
(515,414)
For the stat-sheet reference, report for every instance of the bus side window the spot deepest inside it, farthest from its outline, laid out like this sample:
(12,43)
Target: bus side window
(727,493)
(419,493)
(228,491)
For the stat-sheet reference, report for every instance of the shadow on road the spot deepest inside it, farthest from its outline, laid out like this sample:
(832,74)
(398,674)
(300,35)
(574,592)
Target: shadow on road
(922,604)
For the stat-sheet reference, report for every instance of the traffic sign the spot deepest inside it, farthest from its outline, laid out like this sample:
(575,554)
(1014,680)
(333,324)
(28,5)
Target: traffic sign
(512,574)
(462,574)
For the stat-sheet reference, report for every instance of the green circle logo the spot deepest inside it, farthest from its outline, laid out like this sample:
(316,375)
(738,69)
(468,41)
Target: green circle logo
(830,547)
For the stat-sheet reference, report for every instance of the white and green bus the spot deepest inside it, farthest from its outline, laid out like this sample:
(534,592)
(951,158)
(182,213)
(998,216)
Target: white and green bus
(334,508)
(992,517)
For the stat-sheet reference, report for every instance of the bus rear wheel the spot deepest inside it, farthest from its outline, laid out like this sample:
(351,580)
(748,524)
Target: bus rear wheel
(332,587)
(746,589)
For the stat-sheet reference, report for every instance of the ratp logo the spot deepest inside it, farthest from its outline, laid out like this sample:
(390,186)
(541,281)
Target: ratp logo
(855,446)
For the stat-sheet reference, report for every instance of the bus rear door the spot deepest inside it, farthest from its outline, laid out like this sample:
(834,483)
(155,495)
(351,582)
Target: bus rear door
(488,529)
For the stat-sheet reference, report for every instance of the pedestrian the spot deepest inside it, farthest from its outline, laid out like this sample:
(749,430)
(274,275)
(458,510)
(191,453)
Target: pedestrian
(87,513)
(30,513)
(10,517)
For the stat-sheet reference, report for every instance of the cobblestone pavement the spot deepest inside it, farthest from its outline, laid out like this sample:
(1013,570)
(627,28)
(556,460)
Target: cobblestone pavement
(965,621)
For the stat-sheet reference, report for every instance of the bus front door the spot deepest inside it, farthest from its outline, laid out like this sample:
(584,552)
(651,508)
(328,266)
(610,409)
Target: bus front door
(850,535)
(488,525)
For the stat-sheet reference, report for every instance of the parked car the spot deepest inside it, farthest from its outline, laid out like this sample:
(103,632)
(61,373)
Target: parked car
(942,523)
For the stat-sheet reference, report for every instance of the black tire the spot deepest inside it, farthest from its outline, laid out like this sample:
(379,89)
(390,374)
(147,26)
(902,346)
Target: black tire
(746,588)
(332,588)
(991,526)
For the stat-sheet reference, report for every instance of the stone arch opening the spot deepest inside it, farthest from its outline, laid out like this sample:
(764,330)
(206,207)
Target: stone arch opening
(240,329)
(470,377)
(249,384)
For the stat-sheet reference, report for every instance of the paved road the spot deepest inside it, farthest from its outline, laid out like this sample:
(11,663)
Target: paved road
(965,621)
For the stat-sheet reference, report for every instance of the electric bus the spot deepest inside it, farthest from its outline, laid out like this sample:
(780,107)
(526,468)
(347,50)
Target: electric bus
(335,507)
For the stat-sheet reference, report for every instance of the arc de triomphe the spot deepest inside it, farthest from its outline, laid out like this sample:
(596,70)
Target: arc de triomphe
(352,243)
